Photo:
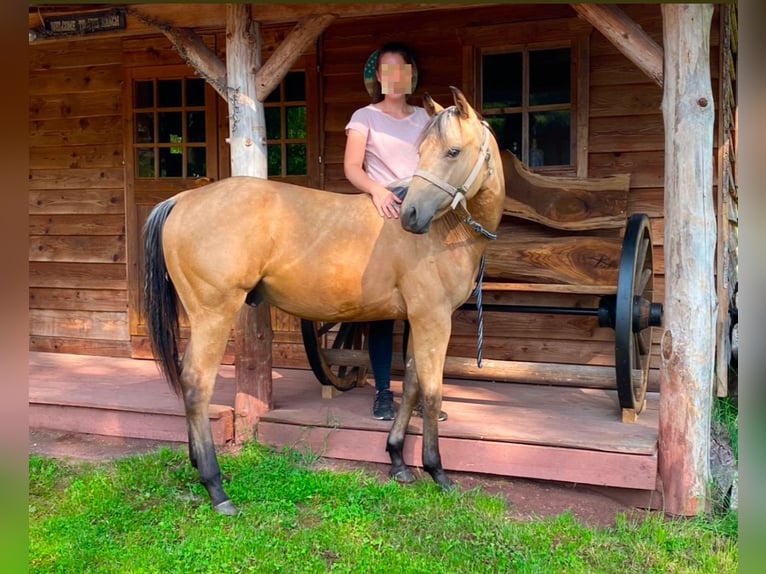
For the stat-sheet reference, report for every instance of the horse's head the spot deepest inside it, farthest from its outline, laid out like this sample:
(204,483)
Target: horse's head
(457,154)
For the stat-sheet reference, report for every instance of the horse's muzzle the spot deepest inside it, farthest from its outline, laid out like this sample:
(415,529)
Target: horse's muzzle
(413,221)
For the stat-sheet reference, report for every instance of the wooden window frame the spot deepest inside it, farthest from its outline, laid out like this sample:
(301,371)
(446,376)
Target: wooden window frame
(479,41)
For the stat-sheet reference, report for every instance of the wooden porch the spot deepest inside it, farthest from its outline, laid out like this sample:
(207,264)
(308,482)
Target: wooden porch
(566,434)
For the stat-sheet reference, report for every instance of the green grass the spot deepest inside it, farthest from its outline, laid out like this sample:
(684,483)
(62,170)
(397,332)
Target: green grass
(149,514)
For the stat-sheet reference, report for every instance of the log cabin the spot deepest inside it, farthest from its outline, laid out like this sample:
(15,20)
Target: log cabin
(126,109)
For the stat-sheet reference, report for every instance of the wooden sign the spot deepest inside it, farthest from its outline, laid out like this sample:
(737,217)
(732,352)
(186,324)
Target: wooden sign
(79,24)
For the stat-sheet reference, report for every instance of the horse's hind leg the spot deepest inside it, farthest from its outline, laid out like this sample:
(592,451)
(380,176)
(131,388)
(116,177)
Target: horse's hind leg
(209,334)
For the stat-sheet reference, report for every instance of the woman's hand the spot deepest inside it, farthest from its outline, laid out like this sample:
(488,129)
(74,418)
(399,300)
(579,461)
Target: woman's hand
(386,203)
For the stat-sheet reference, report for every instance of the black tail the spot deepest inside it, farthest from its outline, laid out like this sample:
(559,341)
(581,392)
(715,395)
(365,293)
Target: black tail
(160,300)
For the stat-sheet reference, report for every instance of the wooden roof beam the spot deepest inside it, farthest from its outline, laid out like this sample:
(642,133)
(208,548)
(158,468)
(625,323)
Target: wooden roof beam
(195,52)
(627,36)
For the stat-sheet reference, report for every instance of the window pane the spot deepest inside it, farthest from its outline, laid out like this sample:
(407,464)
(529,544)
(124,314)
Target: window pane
(549,77)
(144,97)
(273,123)
(144,124)
(501,80)
(296,159)
(145,162)
(507,128)
(195,92)
(275,95)
(549,138)
(171,162)
(196,162)
(295,87)
(274,153)
(170,125)
(296,122)
(195,126)
(169,93)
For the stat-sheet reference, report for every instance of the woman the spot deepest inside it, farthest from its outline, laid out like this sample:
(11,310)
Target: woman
(381,150)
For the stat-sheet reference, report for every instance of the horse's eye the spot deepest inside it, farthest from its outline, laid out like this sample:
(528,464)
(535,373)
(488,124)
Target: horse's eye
(453,152)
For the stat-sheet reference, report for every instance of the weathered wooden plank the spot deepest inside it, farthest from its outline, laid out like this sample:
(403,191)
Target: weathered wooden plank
(73,54)
(66,224)
(74,80)
(108,325)
(626,100)
(649,200)
(50,106)
(156,51)
(96,201)
(538,326)
(647,168)
(99,130)
(76,156)
(573,260)
(76,178)
(79,346)
(624,133)
(615,70)
(77,248)
(564,202)
(78,299)
(78,275)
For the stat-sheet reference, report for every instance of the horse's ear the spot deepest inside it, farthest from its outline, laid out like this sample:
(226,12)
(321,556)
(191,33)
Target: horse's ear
(462,105)
(430,105)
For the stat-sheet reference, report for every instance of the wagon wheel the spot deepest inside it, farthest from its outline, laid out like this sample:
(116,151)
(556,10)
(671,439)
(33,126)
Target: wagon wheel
(318,337)
(635,314)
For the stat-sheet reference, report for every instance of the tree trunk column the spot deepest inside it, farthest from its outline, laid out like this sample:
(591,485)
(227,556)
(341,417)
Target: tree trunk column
(688,339)
(247,138)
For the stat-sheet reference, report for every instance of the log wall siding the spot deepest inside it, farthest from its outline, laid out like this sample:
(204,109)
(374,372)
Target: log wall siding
(77,189)
(78,292)
(625,136)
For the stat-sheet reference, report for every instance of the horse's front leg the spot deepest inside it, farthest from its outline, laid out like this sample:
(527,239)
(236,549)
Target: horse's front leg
(430,337)
(395,444)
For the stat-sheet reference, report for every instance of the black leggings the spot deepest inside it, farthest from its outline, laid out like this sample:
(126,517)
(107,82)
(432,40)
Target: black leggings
(381,348)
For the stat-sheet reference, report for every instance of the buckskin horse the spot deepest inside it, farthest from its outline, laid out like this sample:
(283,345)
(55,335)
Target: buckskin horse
(325,256)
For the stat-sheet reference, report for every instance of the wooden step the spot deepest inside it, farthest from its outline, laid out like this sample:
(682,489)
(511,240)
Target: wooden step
(117,397)
(95,419)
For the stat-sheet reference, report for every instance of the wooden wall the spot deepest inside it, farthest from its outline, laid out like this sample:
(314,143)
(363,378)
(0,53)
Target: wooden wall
(626,135)
(78,266)
(78,296)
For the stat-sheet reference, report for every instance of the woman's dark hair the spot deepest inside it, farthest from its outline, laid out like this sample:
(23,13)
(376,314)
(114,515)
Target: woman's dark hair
(375,89)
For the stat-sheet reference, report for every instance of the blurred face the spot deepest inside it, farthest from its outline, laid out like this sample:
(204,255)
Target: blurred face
(394,74)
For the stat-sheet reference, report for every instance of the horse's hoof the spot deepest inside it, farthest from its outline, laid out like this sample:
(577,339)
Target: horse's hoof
(226,507)
(404,476)
(443,481)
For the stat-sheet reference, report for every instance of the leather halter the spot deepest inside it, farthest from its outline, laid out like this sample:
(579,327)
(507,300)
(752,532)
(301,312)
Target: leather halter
(458,193)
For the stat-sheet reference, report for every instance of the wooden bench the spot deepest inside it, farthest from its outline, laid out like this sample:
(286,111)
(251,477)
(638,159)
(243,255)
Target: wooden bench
(566,236)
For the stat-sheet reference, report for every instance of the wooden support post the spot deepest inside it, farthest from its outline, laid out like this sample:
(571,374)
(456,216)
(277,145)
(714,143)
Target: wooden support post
(247,138)
(688,340)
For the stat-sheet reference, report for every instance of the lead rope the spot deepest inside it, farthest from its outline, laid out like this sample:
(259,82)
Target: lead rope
(480,311)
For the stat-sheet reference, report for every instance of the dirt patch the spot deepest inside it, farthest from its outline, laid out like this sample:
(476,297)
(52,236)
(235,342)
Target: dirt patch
(527,499)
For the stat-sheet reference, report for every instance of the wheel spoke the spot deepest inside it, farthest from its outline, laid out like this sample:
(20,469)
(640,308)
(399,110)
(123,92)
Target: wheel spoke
(325,328)
(643,249)
(643,281)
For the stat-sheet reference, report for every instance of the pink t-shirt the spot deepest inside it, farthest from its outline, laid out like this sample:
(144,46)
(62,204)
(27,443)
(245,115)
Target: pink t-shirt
(391,153)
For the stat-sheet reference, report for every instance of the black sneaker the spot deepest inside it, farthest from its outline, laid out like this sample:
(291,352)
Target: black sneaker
(418,412)
(383,407)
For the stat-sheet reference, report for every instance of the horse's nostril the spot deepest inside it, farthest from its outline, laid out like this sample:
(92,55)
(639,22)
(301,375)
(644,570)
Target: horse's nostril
(411,215)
